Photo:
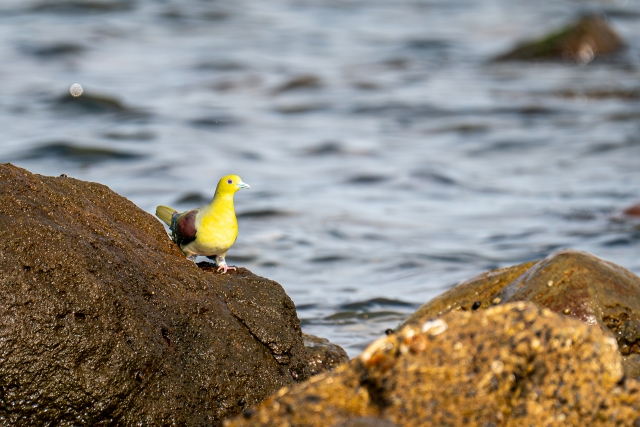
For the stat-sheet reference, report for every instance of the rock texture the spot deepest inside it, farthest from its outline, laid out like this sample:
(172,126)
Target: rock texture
(323,355)
(579,42)
(104,322)
(570,282)
(511,365)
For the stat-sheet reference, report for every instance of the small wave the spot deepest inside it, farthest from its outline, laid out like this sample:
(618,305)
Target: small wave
(346,316)
(264,213)
(77,153)
(436,177)
(367,179)
(377,302)
(213,122)
(83,6)
(328,258)
(193,199)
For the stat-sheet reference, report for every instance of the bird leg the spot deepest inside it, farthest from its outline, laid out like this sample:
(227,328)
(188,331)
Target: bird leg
(222,264)
(192,257)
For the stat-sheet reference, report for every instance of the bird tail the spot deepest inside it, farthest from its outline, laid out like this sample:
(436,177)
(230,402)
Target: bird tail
(165,213)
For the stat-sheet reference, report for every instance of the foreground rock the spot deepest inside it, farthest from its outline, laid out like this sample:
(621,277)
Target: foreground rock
(512,365)
(580,43)
(570,282)
(104,322)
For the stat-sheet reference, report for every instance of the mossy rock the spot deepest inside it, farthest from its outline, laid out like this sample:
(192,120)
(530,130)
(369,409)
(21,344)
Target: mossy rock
(579,42)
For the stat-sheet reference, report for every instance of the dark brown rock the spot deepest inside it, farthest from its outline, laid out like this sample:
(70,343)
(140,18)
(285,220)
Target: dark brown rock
(571,282)
(103,321)
(323,355)
(632,210)
(511,365)
(579,42)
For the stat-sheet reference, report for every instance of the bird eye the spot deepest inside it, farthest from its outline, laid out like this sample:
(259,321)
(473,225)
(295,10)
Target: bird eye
(229,181)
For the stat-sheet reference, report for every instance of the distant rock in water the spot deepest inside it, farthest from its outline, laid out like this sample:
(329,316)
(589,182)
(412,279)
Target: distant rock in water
(581,42)
(512,365)
(569,282)
(632,210)
(103,321)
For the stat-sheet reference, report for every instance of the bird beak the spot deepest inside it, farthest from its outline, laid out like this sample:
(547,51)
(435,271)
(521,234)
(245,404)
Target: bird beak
(242,185)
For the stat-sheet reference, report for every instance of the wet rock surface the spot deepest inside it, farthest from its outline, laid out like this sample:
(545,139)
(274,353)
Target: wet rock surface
(323,355)
(510,365)
(104,322)
(579,42)
(569,282)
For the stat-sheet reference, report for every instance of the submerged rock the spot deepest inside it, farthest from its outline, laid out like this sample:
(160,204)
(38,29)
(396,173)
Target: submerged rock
(512,365)
(579,42)
(103,321)
(570,282)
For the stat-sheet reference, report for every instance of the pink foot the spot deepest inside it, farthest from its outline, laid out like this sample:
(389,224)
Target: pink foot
(224,267)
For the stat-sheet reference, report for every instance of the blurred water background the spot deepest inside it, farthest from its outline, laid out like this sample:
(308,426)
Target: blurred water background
(388,156)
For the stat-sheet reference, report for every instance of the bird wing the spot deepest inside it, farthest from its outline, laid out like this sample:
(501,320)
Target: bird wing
(184,227)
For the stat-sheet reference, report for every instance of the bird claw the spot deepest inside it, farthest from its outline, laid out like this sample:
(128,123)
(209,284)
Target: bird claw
(224,267)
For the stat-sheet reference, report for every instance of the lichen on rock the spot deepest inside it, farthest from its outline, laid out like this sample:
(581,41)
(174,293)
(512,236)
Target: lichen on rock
(509,365)
(580,42)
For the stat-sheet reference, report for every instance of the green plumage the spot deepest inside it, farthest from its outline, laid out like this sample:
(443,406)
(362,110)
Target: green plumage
(165,213)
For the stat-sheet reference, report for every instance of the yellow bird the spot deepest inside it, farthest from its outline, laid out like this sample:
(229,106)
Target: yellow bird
(209,230)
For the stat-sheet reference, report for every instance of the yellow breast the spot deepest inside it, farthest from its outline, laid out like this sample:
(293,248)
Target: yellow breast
(217,231)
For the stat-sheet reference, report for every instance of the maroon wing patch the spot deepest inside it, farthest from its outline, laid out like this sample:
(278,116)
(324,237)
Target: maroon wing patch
(184,227)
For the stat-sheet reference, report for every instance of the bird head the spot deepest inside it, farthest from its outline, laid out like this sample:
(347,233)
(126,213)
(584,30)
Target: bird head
(229,184)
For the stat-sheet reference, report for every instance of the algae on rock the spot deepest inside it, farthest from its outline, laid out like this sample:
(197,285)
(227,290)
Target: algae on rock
(579,42)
